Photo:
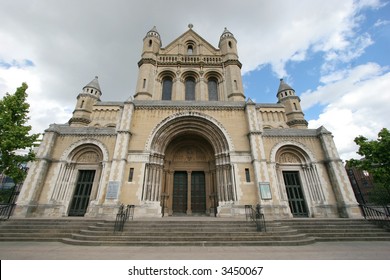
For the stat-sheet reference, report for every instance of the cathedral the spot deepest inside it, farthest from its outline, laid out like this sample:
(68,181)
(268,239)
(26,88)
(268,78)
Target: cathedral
(187,143)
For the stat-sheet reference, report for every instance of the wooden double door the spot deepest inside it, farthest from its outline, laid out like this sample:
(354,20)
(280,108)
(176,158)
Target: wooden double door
(189,193)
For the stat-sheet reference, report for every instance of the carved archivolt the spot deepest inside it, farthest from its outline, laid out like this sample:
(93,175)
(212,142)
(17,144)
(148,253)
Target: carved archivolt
(79,148)
(291,152)
(192,123)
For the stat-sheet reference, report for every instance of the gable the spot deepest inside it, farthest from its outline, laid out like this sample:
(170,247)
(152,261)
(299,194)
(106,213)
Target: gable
(179,45)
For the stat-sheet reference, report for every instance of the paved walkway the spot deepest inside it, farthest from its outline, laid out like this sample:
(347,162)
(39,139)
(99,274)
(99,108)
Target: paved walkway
(374,250)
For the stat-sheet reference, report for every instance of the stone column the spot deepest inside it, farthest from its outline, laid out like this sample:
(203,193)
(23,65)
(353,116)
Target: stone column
(189,210)
(33,184)
(119,160)
(346,201)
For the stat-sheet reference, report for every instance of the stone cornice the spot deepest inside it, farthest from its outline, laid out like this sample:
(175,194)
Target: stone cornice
(290,132)
(233,62)
(79,120)
(62,129)
(147,61)
(294,122)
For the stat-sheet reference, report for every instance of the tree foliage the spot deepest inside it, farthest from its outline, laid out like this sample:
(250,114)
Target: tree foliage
(15,134)
(376,160)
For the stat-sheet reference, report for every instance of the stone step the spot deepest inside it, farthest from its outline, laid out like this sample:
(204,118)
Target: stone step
(190,232)
(187,237)
(190,243)
(185,233)
(357,238)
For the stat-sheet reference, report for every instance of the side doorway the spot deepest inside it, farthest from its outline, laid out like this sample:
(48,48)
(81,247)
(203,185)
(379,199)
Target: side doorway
(82,193)
(296,199)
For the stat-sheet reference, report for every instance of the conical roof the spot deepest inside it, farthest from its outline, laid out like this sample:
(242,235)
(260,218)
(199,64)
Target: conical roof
(94,84)
(153,32)
(226,33)
(283,86)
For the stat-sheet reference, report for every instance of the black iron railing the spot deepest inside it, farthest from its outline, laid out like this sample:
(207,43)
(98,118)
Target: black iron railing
(374,215)
(256,216)
(6,210)
(123,215)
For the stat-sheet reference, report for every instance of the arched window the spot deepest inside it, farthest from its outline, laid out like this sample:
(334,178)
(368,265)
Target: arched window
(190,50)
(213,89)
(190,88)
(167,88)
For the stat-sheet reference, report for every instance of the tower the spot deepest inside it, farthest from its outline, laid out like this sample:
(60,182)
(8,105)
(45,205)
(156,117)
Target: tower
(85,101)
(228,47)
(286,96)
(150,50)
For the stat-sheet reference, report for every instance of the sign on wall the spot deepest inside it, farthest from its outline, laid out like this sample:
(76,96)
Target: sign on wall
(265,190)
(112,190)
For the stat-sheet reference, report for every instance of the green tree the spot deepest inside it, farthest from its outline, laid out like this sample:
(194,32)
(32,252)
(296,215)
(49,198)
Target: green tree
(15,134)
(376,160)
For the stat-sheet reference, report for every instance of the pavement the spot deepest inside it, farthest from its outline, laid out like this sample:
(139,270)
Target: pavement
(352,250)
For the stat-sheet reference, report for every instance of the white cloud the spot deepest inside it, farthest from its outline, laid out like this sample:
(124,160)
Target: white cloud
(381,22)
(356,104)
(69,42)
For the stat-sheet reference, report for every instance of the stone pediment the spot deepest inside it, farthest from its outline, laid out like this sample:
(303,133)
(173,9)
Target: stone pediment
(178,46)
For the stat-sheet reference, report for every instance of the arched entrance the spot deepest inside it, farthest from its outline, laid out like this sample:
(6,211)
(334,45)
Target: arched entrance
(87,168)
(189,170)
(190,162)
(299,181)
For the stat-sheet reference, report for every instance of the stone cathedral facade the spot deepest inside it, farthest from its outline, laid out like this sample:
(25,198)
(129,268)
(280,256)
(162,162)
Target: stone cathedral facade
(188,142)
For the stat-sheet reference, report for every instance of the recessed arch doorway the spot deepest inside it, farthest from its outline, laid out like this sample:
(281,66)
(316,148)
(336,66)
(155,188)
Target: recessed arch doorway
(190,184)
(189,170)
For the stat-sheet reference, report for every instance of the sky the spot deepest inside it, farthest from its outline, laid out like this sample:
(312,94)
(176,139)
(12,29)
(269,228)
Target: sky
(333,53)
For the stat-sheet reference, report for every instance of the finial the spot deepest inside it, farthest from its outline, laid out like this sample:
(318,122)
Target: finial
(190,26)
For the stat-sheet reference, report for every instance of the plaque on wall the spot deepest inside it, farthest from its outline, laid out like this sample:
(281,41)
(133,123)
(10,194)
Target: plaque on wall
(265,191)
(112,190)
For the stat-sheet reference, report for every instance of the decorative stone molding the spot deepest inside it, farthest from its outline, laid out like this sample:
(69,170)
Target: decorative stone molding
(209,127)
(69,151)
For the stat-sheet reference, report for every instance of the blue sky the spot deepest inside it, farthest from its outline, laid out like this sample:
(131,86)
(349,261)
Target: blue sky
(333,53)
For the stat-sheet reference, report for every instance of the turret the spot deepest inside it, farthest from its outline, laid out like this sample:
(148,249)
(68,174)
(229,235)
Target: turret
(228,47)
(152,43)
(286,96)
(85,101)
(151,47)
(228,44)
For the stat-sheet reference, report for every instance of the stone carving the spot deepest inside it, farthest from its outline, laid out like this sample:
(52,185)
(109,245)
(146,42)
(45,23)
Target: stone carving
(189,154)
(289,158)
(89,157)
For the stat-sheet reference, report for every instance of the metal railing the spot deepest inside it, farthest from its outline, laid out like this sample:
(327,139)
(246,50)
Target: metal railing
(374,215)
(123,215)
(255,215)
(6,210)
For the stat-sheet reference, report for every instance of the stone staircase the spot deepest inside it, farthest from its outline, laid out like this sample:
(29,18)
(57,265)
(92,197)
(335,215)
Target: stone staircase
(41,229)
(190,231)
(324,230)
